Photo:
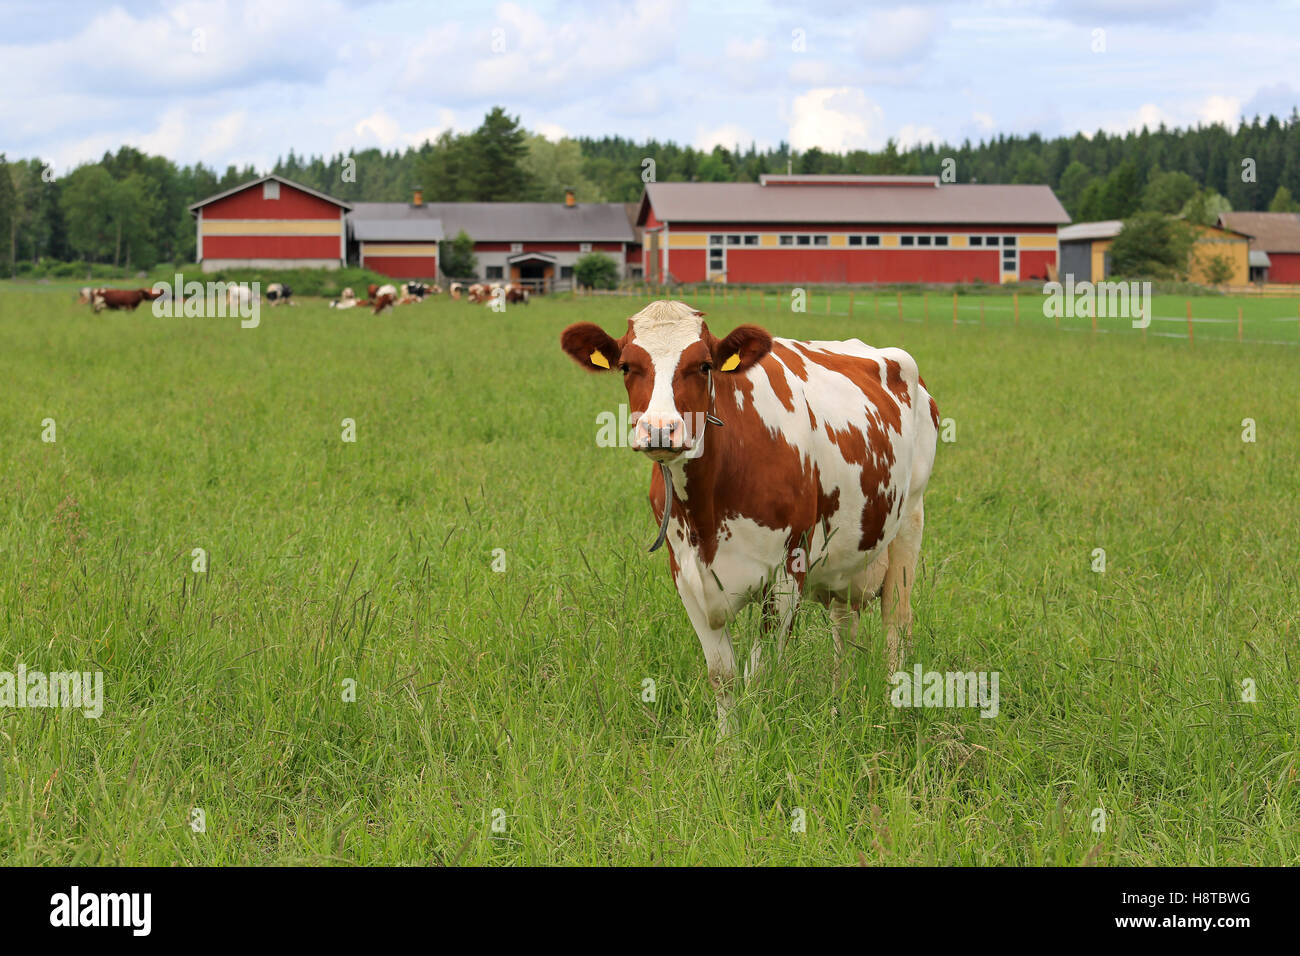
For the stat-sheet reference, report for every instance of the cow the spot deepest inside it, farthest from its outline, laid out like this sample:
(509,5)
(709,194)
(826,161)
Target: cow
(478,292)
(240,295)
(783,470)
(384,297)
(454,290)
(103,298)
(279,293)
(416,291)
(84,295)
(516,293)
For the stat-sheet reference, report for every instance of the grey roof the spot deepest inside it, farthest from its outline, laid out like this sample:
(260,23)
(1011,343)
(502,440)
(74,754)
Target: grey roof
(279,179)
(510,221)
(1269,231)
(905,200)
(1259,259)
(1102,229)
(403,230)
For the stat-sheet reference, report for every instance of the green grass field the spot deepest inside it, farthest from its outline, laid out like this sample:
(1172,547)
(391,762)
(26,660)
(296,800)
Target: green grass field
(514,698)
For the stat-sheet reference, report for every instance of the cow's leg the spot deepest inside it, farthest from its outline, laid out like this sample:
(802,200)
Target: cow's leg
(718,655)
(845,612)
(896,597)
(779,606)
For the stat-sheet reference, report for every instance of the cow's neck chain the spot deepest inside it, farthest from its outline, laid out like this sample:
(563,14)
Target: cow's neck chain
(710,419)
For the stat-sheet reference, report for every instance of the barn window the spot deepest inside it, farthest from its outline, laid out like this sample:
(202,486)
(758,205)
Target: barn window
(516,247)
(907,240)
(270,189)
(1008,240)
(821,240)
(584,247)
(873,240)
(751,240)
(923,240)
(805,240)
(566,272)
(977,240)
(494,272)
(940,240)
(715,240)
(855,240)
(733,240)
(787,240)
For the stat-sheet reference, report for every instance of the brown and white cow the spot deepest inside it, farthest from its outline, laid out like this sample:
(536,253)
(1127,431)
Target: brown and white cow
(384,296)
(812,487)
(105,298)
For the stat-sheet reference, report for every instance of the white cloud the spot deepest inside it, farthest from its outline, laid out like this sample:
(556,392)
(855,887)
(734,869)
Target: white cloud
(912,135)
(836,119)
(1225,110)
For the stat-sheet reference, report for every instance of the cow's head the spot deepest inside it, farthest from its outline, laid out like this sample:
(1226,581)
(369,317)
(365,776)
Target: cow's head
(666,358)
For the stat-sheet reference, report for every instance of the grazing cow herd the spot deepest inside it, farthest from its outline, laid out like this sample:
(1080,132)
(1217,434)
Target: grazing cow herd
(783,471)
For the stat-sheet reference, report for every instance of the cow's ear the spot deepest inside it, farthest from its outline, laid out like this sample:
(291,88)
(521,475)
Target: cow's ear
(745,345)
(590,346)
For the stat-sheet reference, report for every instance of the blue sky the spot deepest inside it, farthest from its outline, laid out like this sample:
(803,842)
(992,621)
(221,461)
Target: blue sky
(229,81)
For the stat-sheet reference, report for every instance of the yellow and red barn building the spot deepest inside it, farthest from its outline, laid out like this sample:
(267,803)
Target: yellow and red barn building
(849,229)
(271,222)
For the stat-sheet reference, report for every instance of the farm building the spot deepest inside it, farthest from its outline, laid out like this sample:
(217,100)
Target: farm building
(528,242)
(849,229)
(270,222)
(396,239)
(1274,243)
(1085,251)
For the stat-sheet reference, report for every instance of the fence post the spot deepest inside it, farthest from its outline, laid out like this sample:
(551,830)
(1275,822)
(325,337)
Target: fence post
(954,309)
(850,303)
(1190,335)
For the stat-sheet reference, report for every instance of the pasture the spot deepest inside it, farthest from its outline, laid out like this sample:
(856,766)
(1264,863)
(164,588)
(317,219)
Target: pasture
(499,713)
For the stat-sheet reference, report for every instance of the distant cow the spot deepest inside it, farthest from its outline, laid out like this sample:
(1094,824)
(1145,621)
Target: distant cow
(812,489)
(415,290)
(385,296)
(101,299)
(279,293)
(478,292)
(347,300)
(84,295)
(516,293)
(454,290)
(239,295)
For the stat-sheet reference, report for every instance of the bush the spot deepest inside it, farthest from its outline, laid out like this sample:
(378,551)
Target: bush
(596,271)
(1152,244)
(458,259)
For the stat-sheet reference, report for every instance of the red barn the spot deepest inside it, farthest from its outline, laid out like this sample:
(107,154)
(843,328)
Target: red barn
(1274,243)
(271,223)
(849,229)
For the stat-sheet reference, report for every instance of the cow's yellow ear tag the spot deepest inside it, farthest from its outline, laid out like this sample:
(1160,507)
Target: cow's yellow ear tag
(598,358)
(731,363)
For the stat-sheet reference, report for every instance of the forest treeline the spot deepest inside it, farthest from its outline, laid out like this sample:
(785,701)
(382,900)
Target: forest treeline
(130,210)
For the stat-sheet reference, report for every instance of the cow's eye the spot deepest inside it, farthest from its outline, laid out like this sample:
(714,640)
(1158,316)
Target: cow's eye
(623,367)
(705,367)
